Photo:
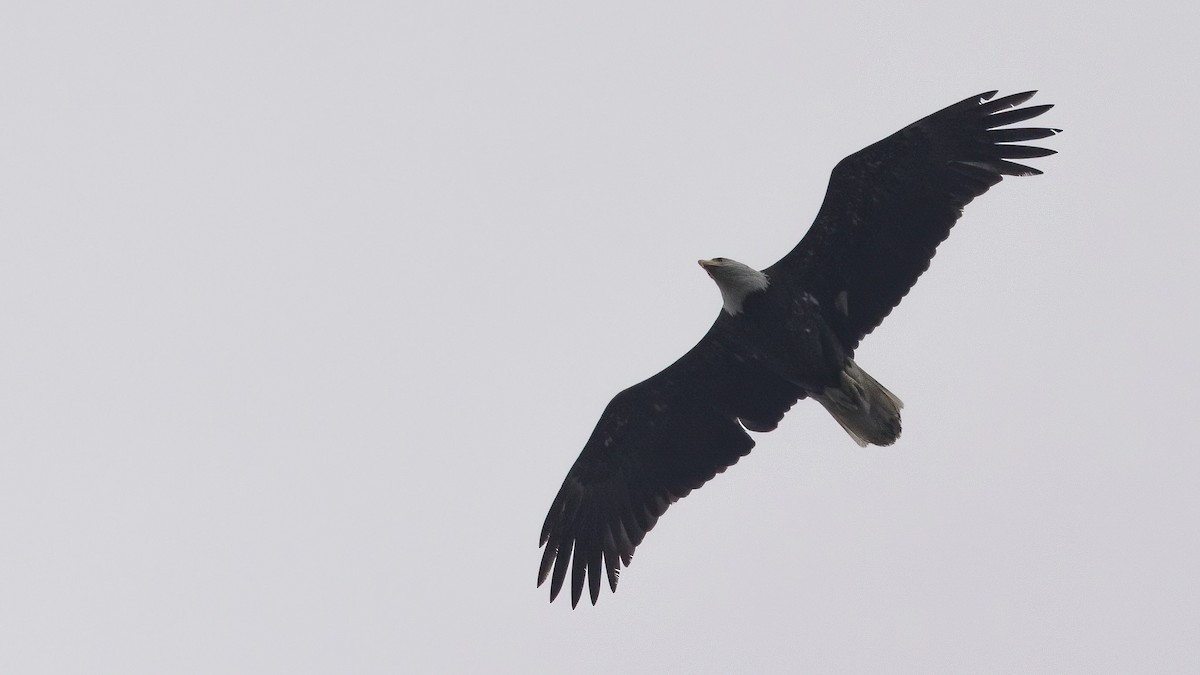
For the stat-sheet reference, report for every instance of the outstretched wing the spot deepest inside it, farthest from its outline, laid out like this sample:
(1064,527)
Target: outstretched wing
(655,443)
(889,205)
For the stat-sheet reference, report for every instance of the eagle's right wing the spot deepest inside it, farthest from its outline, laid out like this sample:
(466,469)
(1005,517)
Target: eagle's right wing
(655,443)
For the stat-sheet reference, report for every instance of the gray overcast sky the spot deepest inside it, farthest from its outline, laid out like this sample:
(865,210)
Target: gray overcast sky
(307,309)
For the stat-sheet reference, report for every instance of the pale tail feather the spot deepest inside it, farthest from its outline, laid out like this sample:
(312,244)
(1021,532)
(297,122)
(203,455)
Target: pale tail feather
(865,409)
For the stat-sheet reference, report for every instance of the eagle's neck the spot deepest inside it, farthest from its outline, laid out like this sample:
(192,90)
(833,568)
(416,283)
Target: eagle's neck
(736,284)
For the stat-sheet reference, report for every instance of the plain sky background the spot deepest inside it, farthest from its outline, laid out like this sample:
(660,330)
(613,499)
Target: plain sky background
(307,308)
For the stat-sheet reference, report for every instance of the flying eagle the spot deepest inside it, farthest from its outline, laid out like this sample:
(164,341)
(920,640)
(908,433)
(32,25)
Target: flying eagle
(784,333)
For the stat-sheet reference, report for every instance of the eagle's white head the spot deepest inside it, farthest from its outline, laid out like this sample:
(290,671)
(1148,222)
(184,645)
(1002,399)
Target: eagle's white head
(735,280)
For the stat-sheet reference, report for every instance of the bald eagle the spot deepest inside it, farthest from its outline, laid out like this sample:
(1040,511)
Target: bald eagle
(784,333)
